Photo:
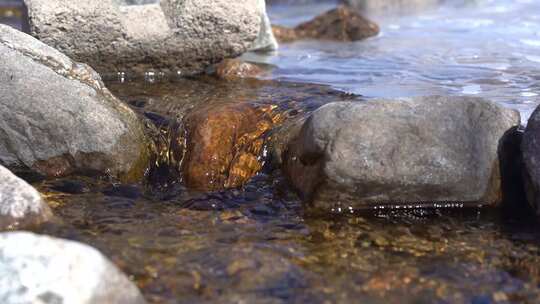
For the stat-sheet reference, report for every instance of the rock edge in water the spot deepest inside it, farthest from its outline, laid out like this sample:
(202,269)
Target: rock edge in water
(417,152)
(530,148)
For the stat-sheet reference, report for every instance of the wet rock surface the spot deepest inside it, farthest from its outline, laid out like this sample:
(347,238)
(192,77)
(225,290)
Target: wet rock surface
(530,148)
(225,144)
(183,36)
(426,150)
(230,69)
(215,134)
(339,24)
(60,118)
(60,271)
(21,206)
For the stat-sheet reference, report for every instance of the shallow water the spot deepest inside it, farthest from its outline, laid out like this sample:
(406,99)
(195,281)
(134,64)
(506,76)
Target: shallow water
(488,48)
(255,244)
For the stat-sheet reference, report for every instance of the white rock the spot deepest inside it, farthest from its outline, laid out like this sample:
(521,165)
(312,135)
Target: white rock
(20,204)
(42,269)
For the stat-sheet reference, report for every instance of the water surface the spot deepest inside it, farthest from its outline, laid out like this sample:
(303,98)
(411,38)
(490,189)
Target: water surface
(484,48)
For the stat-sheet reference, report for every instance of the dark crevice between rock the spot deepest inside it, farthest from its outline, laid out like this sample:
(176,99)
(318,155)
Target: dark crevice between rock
(514,199)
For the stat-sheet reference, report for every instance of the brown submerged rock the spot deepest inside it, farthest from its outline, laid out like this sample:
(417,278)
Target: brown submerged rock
(230,69)
(212,133)
(339,24)
(224,144)
(285,34)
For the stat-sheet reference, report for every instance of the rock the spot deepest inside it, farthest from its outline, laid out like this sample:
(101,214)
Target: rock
(339,24)
(285,34)
(265,40)
(173,36)
(57,118)
(230,69)
(372,7)
(21,205)
(171,106)
(530,148)
(224,144)
(420,151)
(42,269)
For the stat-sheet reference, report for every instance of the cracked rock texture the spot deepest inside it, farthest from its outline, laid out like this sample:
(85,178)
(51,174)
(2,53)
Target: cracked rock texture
(57,118)
(421,151)
(173,36)
(61,271)
(20,204)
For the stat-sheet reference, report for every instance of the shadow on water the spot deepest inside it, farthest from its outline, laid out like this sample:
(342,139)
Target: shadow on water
(255,244)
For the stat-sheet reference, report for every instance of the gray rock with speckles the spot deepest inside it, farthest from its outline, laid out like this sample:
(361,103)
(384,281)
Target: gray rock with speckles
(415,152)
(57,118)
(172,36)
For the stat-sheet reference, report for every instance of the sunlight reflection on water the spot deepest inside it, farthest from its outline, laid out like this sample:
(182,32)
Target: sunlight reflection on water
(489,50)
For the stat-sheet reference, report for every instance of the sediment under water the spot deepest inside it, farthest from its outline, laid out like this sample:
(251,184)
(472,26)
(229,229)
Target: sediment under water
(256,244)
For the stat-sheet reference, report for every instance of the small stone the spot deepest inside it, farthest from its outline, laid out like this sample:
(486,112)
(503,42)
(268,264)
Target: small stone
(500,296)
(285,34)
(339,24)
(230,69)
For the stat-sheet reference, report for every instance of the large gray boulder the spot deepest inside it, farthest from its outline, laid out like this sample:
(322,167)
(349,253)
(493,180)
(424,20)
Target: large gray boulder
(530,148)
(173,36)
(424,151)
(21,205)
(42,269)
(56,116)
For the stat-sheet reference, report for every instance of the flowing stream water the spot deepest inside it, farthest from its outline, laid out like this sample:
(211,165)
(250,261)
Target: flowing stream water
(254,244)
(488,48)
